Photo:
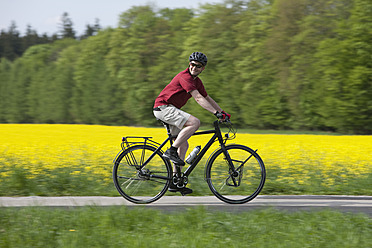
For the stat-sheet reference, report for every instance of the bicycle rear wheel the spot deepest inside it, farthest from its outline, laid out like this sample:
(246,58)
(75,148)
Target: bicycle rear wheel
(238,186)
(141,185)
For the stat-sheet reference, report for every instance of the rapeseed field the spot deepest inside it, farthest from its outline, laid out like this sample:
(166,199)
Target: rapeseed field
(44,159)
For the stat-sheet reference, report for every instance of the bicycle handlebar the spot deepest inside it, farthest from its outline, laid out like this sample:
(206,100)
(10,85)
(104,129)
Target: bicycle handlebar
(229,125)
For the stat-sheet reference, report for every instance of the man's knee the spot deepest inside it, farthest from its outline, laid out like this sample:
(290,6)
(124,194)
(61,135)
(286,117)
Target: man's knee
(195,122)
(192,121)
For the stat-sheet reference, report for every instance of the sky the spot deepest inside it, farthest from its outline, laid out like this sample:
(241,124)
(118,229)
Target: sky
(44,15)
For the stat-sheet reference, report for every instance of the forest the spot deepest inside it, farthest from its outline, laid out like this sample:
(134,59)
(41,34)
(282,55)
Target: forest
(273,64)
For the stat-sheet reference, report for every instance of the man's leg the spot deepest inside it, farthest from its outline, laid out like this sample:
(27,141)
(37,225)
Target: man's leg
(190,127)
(176,153)
(183,149)
(181,143)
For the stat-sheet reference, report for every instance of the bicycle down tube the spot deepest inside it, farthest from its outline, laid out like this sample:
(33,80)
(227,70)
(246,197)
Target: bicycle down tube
(217,135)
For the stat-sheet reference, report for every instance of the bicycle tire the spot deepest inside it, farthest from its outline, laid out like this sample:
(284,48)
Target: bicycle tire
(144,185)
(240,186)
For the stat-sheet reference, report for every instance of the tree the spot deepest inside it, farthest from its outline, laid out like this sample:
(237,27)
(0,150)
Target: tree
(261,105)
(5,68)
(272,64)
(321,21)
(96,98)
(10,43)
(139,56)
(66,27)
(18,88)
(211,32)
(355,93)
(91,30)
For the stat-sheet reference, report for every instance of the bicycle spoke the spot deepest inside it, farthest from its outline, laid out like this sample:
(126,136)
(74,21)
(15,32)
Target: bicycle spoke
(241,183)
(131,178)
(223,185)
(134,189)
(141,185)
(128,182)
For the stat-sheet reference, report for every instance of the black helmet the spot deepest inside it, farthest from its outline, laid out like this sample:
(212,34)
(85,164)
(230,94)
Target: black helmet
(200,57)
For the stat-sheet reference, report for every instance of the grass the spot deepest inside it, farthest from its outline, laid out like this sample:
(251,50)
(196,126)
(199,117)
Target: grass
(63,183)
(195,227)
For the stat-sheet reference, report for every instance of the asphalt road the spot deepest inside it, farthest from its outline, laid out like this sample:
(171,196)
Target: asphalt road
(354,204)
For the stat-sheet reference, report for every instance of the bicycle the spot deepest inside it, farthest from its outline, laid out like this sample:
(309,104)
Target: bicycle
(234,173)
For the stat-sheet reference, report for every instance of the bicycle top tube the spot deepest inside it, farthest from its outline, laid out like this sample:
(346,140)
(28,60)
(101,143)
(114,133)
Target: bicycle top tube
(204,132)
(216,125)
(215,130)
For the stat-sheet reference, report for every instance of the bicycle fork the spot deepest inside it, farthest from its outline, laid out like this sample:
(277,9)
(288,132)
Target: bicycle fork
(234,174)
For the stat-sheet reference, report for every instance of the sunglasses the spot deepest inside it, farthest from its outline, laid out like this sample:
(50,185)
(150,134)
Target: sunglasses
(196,65)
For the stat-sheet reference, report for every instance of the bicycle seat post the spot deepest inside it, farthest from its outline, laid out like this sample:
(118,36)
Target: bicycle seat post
(168,128)
(166,125)
(178,173)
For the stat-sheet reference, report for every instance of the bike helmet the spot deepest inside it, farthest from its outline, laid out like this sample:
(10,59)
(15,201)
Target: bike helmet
(200,57)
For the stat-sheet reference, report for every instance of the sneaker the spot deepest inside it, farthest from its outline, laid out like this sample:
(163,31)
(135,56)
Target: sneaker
(173,156)
(184,191)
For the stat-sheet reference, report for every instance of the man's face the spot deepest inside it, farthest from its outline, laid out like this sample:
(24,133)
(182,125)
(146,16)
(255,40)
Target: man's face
(196,68)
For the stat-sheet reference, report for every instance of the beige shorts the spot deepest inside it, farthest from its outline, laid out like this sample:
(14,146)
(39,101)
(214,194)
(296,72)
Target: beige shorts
(175,117)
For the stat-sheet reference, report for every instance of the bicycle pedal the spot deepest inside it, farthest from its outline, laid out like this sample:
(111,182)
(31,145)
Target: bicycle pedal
(183,193)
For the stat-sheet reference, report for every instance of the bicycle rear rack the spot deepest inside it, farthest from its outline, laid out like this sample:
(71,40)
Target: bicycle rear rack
(137,140)
(129,141)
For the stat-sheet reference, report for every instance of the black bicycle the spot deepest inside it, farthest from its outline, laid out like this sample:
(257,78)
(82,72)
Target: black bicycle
(235,173)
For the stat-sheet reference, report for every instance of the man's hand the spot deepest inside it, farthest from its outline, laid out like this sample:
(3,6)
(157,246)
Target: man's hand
(226,115)
(222,115)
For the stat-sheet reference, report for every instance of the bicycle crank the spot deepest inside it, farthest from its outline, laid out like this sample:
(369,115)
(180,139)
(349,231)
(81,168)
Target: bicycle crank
(180,181)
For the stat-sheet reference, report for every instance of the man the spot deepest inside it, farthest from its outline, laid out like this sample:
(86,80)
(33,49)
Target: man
(167,108)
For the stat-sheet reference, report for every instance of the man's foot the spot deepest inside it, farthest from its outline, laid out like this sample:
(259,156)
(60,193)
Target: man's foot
(172,155)
(183,191)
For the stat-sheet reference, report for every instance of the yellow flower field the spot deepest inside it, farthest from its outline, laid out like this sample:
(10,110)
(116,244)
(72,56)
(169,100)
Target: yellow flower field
(88,150)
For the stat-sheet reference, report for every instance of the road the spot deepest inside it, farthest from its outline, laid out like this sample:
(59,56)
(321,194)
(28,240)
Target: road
(354,204)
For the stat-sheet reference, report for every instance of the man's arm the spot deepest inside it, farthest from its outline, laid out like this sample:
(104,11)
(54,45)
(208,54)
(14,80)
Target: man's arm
(214,104)
(206,102)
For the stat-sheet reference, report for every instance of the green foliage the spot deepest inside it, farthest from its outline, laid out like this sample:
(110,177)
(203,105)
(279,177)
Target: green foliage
(5,68)
(284,64)
(63,182)
(194,227)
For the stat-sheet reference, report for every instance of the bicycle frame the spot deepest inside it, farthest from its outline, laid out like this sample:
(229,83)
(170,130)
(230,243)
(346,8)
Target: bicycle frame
(141,180)
(216,136)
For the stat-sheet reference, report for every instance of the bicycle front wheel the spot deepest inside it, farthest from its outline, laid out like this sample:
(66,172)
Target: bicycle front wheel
(138,183)
(238,185)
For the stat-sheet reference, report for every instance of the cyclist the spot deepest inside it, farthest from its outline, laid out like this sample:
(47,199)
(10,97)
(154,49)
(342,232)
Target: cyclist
(168,104)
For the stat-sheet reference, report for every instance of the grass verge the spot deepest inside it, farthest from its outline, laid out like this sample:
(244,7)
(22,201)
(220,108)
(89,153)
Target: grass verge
(195,227)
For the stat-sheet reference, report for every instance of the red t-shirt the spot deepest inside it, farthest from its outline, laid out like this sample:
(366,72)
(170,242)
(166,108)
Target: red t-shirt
(177,91)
